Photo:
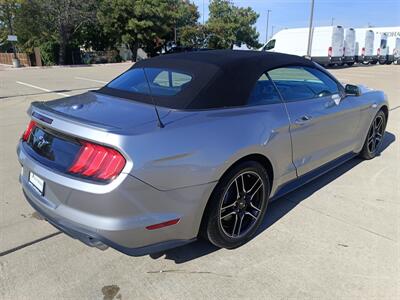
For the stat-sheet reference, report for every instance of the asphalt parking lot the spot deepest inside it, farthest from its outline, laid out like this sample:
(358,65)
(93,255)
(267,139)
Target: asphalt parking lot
(337,237)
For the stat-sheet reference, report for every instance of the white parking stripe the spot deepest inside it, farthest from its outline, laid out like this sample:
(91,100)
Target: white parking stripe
(42,89)
(94,80)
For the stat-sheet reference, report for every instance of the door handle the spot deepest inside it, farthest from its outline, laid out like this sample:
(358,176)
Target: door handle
(303,119)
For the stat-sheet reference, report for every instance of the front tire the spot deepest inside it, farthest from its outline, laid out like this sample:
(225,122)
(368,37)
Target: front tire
(374,137)
(237,206)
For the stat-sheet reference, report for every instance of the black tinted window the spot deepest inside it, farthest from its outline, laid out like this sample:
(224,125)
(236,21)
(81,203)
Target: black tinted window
(300,83)
(270,45)
(263,92)
(163,82)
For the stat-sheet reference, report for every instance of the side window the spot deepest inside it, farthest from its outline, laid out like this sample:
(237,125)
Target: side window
(263,92)
(301,83)
(171,79)
(270,45)
(328,85)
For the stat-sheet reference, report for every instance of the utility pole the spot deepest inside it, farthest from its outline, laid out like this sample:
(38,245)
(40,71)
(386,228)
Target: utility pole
(266,33)
(203,12)
(333,19)
(310,30)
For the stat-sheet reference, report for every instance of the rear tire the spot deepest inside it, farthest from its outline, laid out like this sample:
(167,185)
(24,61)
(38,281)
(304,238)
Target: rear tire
(350,64)
(374,137)
(237,206)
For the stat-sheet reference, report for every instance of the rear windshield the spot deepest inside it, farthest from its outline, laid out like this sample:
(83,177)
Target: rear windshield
(162,82)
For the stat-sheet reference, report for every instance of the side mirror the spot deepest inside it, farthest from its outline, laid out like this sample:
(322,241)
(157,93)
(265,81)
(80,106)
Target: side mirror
(352,90)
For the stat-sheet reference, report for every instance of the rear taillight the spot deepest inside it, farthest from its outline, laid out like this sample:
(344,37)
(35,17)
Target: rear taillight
(98,162)
(379,51)
(330,51)
(363,51)
(28,130)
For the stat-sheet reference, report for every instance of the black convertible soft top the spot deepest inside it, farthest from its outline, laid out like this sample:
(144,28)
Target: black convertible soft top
(221,78)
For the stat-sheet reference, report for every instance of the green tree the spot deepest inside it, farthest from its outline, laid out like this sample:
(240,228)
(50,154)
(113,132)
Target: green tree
(53,22)
(68,17)
(149,24)
(193,36)
(228,25)
(136,23)
(8,11)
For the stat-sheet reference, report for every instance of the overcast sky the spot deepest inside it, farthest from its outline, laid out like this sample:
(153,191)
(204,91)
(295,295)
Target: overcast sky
(296,13)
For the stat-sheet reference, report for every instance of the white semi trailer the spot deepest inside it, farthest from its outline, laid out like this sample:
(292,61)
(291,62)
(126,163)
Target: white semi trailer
(326,46)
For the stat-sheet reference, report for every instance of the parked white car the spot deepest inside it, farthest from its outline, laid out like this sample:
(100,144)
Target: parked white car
(326,48)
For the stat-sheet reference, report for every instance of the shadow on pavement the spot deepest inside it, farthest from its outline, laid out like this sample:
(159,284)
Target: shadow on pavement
(276,210)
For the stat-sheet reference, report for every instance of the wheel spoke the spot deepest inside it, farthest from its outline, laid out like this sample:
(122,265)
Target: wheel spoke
(228,214)
(251,215)
(379,123)
(234,226)
(255,191)
(240,224)
(250,191)
(237,188)
(228,206)
(243,187)
(371,139)
(373,146)
(253,206)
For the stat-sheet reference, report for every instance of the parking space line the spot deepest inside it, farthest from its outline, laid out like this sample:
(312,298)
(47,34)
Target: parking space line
(88,79)
(42,89)
(4,253)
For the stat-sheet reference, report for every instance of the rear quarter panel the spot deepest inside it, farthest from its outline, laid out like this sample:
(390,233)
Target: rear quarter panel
(198,147)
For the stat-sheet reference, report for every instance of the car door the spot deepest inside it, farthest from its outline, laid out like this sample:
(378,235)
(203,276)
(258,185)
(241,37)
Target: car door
(277,145)
(323,125)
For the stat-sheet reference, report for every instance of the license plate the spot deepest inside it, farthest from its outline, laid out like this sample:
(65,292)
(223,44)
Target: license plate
(37,182)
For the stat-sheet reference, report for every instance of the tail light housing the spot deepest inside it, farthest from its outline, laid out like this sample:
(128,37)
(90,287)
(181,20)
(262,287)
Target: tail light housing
(330,51)
(98,162)
(28,130)
(379,51)
(363,51)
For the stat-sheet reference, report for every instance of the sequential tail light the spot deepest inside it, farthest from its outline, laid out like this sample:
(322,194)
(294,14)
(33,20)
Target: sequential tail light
(97,162)
(28,130)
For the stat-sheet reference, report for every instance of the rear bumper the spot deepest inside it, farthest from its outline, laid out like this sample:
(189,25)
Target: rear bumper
(117,218)
(386,58)
(91,238)
(365,58)
(349,59)
(326,60)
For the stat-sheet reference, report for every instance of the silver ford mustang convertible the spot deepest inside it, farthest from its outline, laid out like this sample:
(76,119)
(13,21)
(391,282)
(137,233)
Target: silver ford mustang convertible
(191,144)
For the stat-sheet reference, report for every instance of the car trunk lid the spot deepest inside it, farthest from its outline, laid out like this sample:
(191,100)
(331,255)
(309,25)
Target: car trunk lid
(102,111)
